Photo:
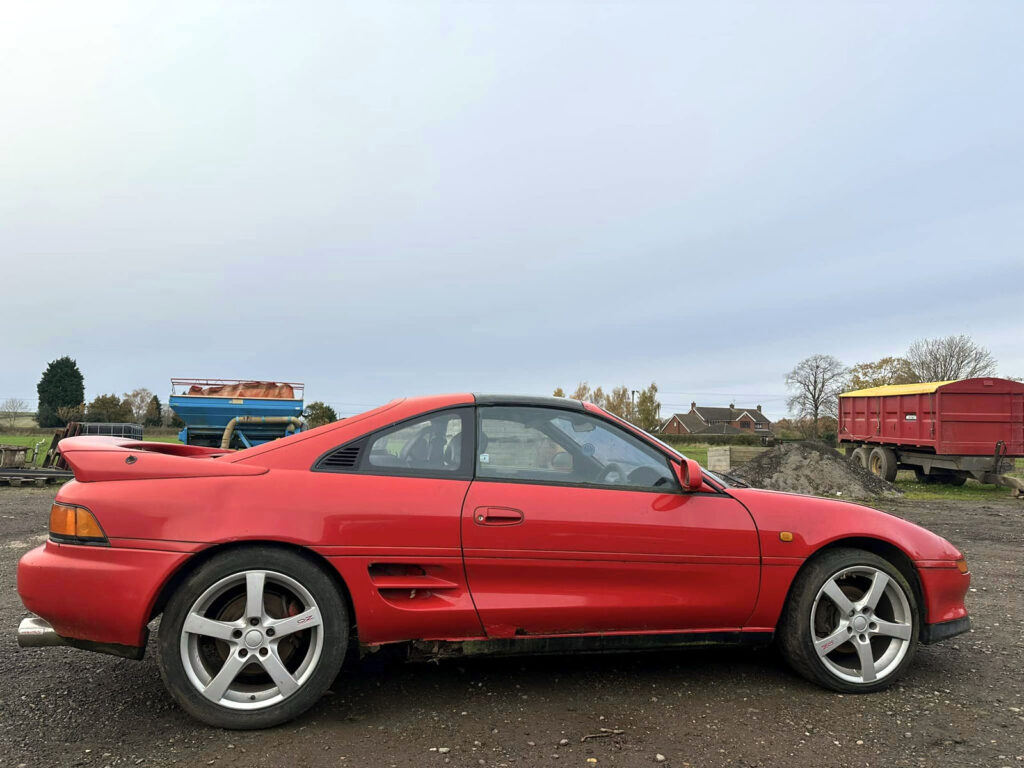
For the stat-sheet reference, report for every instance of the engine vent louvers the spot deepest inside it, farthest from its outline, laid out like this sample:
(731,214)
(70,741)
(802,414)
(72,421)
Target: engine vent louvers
(346,457)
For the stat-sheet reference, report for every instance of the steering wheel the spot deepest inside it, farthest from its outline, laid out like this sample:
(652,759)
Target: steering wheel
(613,475)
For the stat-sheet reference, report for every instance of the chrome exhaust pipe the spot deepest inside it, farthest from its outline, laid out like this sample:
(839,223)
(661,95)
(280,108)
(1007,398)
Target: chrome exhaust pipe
(34,632)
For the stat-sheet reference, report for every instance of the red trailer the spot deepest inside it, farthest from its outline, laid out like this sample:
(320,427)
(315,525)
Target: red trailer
(946,431)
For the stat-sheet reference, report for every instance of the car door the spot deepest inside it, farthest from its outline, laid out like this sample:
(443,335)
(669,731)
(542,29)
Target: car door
(574,525)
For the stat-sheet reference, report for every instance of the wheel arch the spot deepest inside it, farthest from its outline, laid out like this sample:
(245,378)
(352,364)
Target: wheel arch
(183,571)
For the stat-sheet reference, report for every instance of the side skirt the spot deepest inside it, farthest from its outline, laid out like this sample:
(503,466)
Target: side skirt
(436,650)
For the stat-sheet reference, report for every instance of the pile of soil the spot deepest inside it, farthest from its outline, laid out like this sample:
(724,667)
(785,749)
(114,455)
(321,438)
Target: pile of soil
(813,468)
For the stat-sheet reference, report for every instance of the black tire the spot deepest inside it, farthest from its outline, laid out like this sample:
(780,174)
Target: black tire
(329,638)
(955,477)
(797,642)
(860,455)
(848,450)
(883,462)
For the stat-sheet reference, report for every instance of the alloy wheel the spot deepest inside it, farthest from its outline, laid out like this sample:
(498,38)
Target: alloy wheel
(861,624)
(252,640)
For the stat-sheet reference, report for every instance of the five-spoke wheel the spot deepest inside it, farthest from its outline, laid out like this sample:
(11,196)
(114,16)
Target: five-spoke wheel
(851,621)
(252,638)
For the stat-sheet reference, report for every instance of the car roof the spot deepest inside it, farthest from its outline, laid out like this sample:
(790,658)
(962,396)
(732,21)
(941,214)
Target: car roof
(546,402)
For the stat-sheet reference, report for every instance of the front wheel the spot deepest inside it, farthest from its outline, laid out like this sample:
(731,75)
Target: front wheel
(850,623)
(252,638)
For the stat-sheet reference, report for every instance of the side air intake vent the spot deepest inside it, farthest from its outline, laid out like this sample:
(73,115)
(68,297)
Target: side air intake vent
(346,457)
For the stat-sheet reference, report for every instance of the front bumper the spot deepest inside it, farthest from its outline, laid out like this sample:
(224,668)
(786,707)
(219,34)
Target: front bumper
(933,633)
(98,598)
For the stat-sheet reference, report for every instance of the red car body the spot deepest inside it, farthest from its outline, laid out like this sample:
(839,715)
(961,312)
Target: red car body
(455,559)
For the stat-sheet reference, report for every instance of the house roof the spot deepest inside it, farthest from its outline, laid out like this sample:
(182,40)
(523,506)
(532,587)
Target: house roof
(731,414)
(691,421)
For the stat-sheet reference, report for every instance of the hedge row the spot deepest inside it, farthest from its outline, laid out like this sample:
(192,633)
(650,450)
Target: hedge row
(710,439)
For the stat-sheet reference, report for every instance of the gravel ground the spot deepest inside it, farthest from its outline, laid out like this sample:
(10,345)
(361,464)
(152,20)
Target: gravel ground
(961,704)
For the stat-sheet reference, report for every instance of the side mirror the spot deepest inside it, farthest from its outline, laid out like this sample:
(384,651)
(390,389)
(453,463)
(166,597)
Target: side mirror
(690,475)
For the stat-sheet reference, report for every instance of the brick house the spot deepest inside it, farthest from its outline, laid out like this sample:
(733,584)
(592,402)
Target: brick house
(706,420)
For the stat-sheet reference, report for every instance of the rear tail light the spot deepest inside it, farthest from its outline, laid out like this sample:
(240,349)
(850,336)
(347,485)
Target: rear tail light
(74,525)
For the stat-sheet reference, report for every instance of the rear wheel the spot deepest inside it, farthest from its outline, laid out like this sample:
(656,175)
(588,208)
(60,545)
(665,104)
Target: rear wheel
(883,462)
(252,638)
(860,455)
(850,623)
(955,477)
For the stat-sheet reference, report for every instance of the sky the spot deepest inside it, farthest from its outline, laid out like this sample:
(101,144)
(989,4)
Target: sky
(386,199)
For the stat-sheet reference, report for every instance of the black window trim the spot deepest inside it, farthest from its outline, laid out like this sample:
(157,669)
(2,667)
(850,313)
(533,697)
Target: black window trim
(469,450)
(465,472)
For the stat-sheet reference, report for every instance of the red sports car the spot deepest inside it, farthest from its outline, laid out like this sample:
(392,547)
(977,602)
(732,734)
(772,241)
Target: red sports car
(463,524)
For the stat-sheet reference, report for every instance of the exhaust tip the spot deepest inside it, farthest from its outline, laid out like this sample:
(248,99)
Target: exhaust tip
(34,632)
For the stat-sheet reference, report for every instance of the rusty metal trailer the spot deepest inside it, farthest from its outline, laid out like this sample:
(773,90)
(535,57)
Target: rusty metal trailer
(945,431)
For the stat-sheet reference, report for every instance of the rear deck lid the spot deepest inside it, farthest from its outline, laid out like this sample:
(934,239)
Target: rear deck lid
(94,459)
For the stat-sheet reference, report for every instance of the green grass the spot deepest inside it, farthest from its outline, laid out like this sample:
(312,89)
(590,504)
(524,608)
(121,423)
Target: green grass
(29,439)
(972,490)
(696,451)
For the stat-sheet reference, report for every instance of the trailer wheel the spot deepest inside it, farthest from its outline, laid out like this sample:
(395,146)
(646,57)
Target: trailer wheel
(883,463)
(860,455)
(848,450)
(956,477)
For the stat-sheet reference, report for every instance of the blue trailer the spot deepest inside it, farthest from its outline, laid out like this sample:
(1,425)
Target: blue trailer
(234,413)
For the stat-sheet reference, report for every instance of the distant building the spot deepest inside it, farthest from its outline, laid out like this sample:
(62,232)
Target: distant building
(706,420)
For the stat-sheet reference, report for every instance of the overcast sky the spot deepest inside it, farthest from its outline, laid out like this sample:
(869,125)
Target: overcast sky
(391,199)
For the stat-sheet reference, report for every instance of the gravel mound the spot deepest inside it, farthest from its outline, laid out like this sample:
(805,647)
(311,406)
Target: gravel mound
(813,468)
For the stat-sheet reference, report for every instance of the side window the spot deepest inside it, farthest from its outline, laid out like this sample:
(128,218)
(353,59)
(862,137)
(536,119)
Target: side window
(552,445)
(430,445)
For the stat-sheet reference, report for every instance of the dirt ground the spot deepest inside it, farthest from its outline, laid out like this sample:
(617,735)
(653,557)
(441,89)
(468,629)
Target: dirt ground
(961,704)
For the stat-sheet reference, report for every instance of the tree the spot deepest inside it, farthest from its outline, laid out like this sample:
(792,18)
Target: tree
(949,359)
(109,408)
(647,413)
(582,391)
(317,414)
(138,401)
(644,412)
(559,392)
(153,417)
(888,370)
(11,409)
(69,413)
(620,403)
(816,384)
(60,385)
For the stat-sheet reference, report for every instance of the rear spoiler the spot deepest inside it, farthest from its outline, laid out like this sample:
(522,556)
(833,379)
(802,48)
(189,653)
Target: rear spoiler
(94,458)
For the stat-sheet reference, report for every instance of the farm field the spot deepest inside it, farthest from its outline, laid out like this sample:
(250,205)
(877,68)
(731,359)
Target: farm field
(43,438)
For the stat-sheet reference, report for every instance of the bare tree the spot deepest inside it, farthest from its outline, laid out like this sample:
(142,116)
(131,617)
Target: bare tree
(11,409)
(138,401)
(949,359)
(816,384)
(69,413)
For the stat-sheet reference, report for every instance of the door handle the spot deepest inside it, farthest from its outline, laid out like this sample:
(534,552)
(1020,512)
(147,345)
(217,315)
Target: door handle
(497,516)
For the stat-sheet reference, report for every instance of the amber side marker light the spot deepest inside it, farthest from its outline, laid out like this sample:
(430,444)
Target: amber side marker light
(961,565)
(74,525)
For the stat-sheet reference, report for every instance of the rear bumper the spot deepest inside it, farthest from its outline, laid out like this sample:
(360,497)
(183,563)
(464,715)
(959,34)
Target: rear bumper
(34,632)
(97,598)
(933,633)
